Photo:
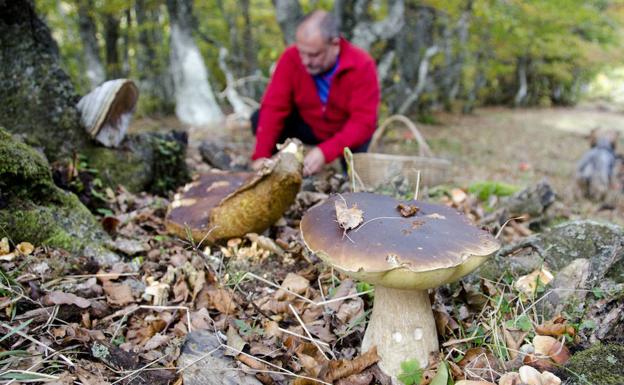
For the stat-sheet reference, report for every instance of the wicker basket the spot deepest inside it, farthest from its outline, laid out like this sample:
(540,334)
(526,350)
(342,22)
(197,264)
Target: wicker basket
(376,170)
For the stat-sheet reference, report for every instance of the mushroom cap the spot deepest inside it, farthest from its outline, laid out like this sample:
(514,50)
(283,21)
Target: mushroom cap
(109,107)
(191,208)
(435,246)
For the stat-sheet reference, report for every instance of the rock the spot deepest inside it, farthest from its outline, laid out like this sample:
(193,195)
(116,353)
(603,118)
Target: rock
(567,283)
(602,244)
(33,209)
(208,364)
(600,364)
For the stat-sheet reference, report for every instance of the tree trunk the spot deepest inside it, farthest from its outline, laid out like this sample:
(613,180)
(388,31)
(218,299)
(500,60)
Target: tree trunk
(39,102)
(423,70)
(87,29)
(250,57)
(523,87)
(111,36)
(287,12)
(195,101)
(155,81)
(366,33)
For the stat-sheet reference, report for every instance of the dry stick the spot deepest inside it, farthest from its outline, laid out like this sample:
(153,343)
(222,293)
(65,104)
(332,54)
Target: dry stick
(307,300)
(417,184)
(505,225)
(292,309)
(282,370)
(303,337)
(29,338)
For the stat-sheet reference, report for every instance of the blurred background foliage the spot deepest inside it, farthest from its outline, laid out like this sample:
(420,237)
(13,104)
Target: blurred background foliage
(509,52)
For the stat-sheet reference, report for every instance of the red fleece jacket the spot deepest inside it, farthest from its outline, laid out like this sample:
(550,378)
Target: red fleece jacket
(347,120)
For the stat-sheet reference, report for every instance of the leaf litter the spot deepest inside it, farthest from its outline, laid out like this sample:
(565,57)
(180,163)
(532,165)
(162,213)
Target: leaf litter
(281,314)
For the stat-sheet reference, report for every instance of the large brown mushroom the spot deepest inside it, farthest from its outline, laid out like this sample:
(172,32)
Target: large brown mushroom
(221,205)
(404,255)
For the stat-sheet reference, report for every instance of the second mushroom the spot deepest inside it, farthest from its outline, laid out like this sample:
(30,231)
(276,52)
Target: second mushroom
(404,255)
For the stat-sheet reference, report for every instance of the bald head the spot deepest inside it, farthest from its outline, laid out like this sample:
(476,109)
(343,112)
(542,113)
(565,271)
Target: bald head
(319,22)
(318,41)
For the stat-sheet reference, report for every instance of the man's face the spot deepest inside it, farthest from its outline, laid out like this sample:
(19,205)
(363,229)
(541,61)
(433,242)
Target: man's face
(317,54)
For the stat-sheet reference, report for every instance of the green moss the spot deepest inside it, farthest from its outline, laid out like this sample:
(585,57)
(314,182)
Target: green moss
(68,225)
(599,365)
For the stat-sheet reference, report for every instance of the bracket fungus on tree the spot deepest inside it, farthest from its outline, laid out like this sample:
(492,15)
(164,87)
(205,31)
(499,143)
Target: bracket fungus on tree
(106,111)
(222,205)
(404,248)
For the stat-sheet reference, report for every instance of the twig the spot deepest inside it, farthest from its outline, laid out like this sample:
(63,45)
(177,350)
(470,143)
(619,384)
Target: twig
(304,337)
(307,300)
(292,309)
(417,185)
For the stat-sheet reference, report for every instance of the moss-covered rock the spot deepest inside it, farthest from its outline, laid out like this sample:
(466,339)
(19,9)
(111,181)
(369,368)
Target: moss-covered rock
(33,209)
(600,243)
(600,365)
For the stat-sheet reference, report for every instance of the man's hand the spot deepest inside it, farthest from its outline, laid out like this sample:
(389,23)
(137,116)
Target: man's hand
(313,161)
(258,163)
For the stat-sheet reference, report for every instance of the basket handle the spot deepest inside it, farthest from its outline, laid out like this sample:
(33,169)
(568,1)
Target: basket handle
(423,147)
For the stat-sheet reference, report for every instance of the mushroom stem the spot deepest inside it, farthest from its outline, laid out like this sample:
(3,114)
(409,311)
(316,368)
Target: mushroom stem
(402,327)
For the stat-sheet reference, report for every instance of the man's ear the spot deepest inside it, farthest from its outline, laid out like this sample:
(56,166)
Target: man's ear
(335,41)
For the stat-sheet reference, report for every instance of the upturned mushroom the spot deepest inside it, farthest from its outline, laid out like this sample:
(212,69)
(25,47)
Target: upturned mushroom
(404,248)
(222,205)
(106,111)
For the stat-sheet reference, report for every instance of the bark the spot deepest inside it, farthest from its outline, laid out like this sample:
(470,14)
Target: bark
(366,33)
(155,81)
(111,37)
(455,53)
(125,64)
(250,60)
(287,12)
(88,30)
(39,103)
(195,100)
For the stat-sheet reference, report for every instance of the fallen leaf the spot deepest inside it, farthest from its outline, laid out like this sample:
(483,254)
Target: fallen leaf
(530,375)
(408,210)
(528,284)
(118,294)
(551,347)
(511,378)
(293,283)
(61,298)
(156,341)
(364,378)
(555,328)
(336,369)
(234,341)
(348,218)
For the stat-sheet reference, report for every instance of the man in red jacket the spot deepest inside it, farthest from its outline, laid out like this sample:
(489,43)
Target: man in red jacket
(324,91)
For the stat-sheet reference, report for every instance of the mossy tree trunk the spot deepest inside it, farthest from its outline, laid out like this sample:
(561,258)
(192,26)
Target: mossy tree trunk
(39,103)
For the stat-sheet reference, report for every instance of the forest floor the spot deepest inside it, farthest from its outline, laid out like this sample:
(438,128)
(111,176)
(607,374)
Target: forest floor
(129,323)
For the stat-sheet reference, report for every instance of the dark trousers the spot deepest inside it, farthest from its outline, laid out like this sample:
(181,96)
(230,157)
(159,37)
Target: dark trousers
(296,127)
